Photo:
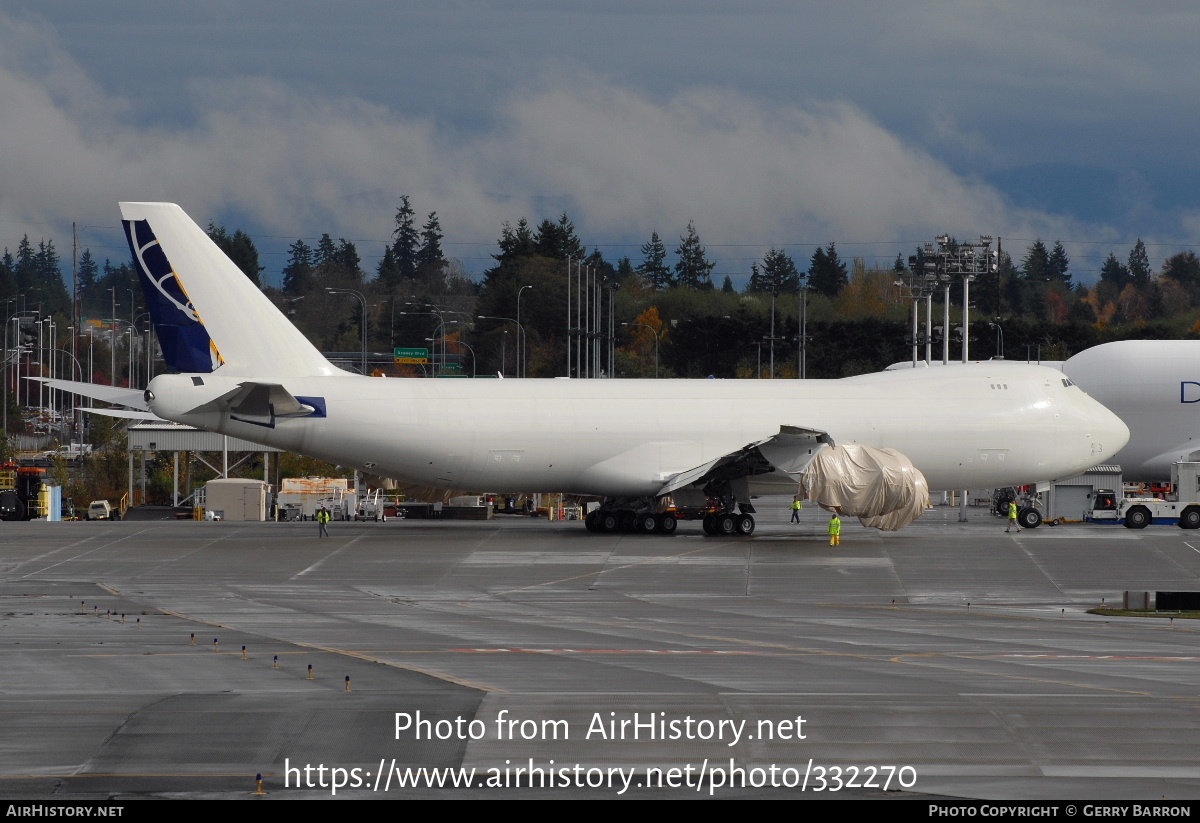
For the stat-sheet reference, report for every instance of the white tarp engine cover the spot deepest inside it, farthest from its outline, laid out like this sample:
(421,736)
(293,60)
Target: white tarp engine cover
(880,487)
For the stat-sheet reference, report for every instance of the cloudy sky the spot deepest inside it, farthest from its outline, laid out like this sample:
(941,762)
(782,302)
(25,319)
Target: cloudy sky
(873,124)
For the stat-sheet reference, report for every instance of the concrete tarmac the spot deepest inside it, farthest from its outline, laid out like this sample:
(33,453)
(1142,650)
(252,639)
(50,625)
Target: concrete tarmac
(538,660)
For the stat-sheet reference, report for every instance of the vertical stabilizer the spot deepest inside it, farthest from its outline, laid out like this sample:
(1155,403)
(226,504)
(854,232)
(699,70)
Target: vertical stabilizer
(206,312)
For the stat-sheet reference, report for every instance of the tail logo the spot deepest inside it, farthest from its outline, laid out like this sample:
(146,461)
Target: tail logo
(186,344)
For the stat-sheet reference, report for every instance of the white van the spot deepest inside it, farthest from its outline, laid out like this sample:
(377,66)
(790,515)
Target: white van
(101,510)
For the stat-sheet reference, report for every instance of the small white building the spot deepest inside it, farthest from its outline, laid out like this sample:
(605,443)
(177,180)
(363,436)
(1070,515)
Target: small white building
(237,499)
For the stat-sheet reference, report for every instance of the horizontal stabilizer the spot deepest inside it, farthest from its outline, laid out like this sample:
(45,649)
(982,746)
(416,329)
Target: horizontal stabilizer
(134,398)
(125,414)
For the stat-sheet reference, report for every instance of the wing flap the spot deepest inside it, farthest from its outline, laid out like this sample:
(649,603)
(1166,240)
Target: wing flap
(789,451)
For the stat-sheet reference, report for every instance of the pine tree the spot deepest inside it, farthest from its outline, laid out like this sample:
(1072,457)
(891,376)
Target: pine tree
(430,254)
(757,282)
(87,280)
(326,251)
(693,269)
(1184,269)
(348,260)
(297,274)
(47,280)
(515,243)
(778,274)
(625,271)
(8,281)
(1057,264)
(1036,265)
(239,248)
(826,273)
(1114,273)
(24,267)
(387,272)
(1139,264)
(558,240)
(654,268)
(405,244)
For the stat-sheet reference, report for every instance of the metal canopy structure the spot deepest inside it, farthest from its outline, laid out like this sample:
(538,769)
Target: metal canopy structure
(175,438)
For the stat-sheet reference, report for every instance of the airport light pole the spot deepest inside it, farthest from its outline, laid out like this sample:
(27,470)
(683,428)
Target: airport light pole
(441,327)
(999,338)
(363,301)
(520,331)
(655,333)
(964,260)
(522,364)
(75,427)
(17,351)
(918,286)
(802,366)
(112,340)
(461,343)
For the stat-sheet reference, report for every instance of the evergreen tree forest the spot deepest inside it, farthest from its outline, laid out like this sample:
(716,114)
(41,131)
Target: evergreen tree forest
(668,315)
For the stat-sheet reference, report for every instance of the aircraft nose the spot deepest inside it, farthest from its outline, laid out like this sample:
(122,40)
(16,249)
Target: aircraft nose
(1109,434)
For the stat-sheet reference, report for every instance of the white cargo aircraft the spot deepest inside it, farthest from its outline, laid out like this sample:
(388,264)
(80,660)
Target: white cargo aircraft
(244,370)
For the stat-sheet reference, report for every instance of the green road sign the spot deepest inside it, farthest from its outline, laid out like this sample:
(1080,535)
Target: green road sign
(412,356)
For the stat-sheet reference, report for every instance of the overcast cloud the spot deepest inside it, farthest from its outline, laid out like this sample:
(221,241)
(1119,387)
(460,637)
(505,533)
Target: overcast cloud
(876,126)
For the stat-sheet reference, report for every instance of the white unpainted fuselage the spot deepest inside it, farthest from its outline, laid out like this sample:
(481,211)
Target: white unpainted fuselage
(629,437)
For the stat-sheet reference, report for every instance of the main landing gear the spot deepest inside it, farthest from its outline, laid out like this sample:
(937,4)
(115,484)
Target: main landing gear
(728,524)
(625,520)
(719,518)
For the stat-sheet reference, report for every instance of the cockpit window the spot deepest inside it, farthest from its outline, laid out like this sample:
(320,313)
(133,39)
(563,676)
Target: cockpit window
(1067,383)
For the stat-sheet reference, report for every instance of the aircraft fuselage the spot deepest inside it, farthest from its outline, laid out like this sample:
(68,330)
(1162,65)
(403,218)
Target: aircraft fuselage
(628,437)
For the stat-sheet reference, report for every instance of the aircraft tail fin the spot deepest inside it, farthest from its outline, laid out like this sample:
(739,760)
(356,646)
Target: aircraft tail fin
(206,313)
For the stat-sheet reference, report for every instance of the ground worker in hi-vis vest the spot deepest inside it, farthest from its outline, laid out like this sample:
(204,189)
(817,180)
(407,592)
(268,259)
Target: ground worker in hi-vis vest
(1012,516)
(796,507)
(835,530)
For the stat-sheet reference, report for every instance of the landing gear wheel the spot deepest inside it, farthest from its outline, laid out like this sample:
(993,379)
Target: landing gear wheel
(1137,517)
(627,521)
(647,523)
(726,524)
(1029,518)
(667,524)
(710,526)
(592,521)
(1190,518)
(745,525)
(609,522)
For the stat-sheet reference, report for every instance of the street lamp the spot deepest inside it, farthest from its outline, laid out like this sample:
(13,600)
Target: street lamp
(655,333)
(363,301)
(802,371)
(999,338)
(16,351)
(520,331)
(522,365)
